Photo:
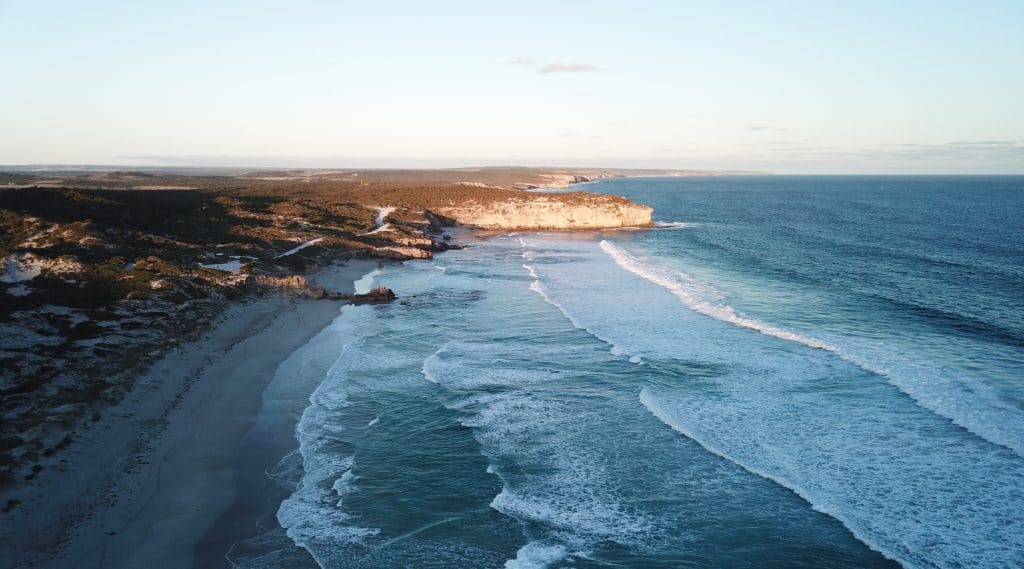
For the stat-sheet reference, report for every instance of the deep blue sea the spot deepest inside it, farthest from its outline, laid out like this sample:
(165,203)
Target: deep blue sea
(788,372)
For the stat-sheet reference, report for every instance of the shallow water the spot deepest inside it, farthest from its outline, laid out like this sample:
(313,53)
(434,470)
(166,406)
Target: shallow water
(796,372)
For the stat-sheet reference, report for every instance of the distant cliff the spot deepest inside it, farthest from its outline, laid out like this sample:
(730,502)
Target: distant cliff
(557,211)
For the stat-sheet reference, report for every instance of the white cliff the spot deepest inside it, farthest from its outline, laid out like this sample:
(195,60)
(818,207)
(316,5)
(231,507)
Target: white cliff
(539,211)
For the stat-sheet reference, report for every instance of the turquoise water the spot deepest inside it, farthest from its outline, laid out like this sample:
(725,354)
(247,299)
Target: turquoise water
(790,372)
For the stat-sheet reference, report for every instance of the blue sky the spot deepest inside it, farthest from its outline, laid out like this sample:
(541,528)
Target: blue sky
(800,87)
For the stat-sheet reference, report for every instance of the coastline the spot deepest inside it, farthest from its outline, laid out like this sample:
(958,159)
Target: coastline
(146,483)
(179,472)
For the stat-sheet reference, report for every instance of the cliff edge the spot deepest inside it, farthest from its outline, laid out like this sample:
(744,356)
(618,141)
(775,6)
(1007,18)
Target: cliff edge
(577,210)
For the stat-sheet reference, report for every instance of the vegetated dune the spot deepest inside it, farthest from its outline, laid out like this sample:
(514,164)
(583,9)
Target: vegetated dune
(102,272)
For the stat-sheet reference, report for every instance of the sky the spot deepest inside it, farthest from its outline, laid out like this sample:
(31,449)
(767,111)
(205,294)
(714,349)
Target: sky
(788,87)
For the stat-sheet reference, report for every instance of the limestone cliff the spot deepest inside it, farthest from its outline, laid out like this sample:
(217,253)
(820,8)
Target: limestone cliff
(577,210)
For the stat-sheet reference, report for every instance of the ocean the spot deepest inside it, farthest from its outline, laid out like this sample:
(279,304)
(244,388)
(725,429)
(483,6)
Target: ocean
(787,372)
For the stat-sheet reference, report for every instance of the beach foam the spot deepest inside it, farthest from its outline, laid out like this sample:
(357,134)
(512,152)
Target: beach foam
(309,515)
(537,555)
(921,501)
(616,350)
(867,455)
(502,392)
(672,224)
(968,403)
(365,283)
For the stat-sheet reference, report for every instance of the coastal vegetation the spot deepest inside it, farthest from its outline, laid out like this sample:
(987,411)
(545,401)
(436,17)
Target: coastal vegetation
(103,272)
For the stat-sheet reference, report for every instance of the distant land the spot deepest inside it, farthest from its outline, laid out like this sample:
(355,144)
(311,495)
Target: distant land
(520,177)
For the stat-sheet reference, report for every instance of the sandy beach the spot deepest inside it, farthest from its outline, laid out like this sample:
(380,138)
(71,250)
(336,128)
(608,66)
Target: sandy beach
(147,484)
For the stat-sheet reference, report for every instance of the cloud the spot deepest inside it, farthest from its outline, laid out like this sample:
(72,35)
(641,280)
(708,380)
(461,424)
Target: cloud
(761,128)
(979,152)
(556,67)
(567,68)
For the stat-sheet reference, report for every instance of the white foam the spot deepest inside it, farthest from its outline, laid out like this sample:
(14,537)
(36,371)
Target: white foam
(967,403)
(486,368)
(537,555)
(571,495)
(913,492)
(415,532)
(672,224)
(903,480)
(365,283)
(343,485)
(698,303)
(427,369)
(616,350)
(665,417)
(576,518)
(308,514)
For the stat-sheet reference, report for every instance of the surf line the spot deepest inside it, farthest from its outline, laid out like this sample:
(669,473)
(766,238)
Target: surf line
(992,427)
(655,409)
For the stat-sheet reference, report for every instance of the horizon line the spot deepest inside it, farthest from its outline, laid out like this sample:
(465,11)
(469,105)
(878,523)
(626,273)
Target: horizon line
(694,172)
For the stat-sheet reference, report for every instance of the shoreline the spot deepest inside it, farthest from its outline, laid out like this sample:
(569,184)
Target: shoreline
(145,485)
(177,474)
(264,453)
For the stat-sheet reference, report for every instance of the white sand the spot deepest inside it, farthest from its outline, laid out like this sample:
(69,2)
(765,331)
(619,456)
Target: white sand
(144,485)
(382,226)
(295,250)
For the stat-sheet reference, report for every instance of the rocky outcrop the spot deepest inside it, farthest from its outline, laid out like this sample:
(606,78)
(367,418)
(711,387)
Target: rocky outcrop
(554,211)
(400,253)
(289,282)
(376,294)
(407,240)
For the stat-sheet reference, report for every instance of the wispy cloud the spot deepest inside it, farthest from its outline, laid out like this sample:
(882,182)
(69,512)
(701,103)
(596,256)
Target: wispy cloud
(762,128)
(567,68)
(555,67)
(965,151)
(961,150)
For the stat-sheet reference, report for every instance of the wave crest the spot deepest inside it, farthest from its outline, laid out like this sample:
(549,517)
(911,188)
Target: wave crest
(972,405)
